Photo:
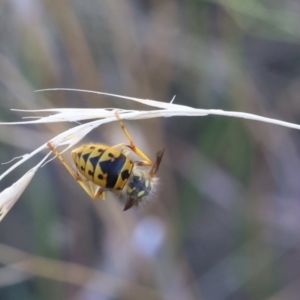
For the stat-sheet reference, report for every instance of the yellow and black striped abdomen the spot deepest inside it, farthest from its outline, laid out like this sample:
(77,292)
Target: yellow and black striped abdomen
(103,165)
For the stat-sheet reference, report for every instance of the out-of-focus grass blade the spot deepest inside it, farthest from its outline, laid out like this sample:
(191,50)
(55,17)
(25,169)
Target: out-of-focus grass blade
(10,195)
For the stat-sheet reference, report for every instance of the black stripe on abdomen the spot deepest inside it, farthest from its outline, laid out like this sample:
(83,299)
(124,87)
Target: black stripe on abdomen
(112,168)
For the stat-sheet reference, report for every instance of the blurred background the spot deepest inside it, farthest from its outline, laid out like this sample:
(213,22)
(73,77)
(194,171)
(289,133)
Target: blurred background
(225,222)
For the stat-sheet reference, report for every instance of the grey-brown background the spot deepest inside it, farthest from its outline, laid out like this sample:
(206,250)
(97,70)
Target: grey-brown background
(225,222)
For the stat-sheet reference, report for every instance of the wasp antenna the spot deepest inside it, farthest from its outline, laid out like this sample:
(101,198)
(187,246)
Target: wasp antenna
(159,156)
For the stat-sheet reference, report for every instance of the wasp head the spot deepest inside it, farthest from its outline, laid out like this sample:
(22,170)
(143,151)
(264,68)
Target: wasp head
(141,183)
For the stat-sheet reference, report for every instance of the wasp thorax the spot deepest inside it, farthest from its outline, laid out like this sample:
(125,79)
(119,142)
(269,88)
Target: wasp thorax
(139,186)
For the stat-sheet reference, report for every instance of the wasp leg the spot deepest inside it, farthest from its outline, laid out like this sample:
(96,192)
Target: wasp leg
(146,161)
(88,188)
(101,193)
(95,191)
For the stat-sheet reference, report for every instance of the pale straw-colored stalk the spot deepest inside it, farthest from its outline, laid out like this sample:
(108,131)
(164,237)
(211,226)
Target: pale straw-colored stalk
(99,116)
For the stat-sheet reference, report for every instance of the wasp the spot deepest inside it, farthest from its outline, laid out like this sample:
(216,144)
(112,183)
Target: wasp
(101,168)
